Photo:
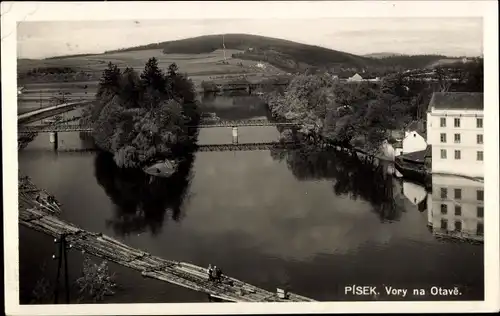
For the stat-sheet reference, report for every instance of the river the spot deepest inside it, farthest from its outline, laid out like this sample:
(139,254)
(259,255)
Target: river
(312,222)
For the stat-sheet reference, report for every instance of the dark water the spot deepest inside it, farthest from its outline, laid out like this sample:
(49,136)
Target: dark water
(312,222)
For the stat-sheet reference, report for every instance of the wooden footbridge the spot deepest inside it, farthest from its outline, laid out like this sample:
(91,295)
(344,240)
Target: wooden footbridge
(212,147)
(39,210)
(64,127)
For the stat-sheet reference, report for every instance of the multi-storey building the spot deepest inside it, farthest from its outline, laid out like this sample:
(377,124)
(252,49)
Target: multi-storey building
(456,207)
(455,131)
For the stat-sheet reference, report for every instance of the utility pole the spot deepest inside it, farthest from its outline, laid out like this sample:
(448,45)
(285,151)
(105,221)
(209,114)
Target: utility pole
(224,47)
(63,256)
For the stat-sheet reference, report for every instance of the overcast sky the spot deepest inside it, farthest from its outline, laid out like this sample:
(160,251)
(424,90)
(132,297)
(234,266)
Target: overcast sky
(447,36)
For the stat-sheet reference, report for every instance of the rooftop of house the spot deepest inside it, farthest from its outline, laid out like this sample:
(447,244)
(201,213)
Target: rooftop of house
(418,156)
(457,101)
(417,126)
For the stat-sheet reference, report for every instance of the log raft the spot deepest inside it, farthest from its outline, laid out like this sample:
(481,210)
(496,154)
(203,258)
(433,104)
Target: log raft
(41,214)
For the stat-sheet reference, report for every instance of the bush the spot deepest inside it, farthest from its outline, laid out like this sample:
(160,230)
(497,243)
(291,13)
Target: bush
(96,281)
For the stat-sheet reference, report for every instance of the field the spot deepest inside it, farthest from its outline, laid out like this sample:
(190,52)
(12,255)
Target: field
(198,66)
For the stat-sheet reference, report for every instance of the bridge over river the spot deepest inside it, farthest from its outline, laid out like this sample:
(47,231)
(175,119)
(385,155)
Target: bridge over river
(61,128)
(39,210)
(28,132)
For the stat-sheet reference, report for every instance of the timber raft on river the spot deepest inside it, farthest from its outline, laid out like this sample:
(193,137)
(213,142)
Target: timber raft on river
(39,210)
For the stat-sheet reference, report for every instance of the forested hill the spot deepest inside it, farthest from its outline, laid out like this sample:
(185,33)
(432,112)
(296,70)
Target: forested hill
(284,54)
(261,48)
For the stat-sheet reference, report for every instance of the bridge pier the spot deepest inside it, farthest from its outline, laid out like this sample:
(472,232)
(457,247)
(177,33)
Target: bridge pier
(54,139)
(235,135)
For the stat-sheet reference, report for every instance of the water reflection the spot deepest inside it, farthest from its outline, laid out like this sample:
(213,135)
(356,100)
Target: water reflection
(141,202)
(456,208)
(349,175)
(416,194)
(236,106)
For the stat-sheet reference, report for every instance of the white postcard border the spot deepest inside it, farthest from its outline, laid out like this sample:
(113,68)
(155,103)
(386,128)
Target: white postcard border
(13,13)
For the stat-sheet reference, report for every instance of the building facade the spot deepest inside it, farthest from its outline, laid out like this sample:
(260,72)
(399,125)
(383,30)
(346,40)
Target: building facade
(456,207)
(455,131)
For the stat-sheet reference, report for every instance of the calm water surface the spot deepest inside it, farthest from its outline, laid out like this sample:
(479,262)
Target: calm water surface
(312,222)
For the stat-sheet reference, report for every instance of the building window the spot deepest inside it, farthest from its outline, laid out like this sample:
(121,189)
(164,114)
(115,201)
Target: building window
(479,138)
(458,226)
(443,137)
(443,153)
(479,123)
(458,194)
(458,154)
(480,195)
(457,138)
(480,229)
(444,209)
(480,211)
(458,210)
(442,122)
(444,193)
(479,156)
(444,223)
(457,122)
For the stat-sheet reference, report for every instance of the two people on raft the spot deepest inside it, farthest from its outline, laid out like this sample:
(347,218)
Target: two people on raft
(214,273)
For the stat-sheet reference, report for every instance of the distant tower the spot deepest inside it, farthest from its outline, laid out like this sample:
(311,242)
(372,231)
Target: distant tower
(224,47)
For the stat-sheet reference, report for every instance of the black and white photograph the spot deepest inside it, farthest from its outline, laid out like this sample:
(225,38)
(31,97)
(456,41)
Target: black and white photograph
(197,154)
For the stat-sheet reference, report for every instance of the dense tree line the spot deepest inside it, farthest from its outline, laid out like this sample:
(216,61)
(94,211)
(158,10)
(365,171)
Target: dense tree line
(410,61)
(54,74)
(51,70)
(141,117)
(341,113)
(362,114)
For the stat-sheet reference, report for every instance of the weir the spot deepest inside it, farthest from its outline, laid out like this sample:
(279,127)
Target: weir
(39,210)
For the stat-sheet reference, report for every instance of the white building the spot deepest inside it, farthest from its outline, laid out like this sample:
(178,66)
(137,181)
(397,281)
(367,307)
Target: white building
(356,78)
(455,131)
(456,207)
(415,138)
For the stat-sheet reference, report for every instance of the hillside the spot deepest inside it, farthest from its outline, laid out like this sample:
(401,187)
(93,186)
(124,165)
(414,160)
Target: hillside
(284,54)
(203,58)
(288,55)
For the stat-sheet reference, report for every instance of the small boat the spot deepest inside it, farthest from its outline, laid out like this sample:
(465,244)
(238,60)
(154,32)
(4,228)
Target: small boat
(162,169)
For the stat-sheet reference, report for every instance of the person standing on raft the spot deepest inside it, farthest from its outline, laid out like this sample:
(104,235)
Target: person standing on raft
(210,272)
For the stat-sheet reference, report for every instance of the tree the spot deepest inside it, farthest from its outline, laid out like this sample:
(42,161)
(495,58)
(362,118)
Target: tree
(130,89)
(152,77)
(443,80)
(109,84)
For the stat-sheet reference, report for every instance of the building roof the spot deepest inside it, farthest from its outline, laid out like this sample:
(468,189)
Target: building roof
(457,101)
(413,126)
(417,156)
(418,127)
